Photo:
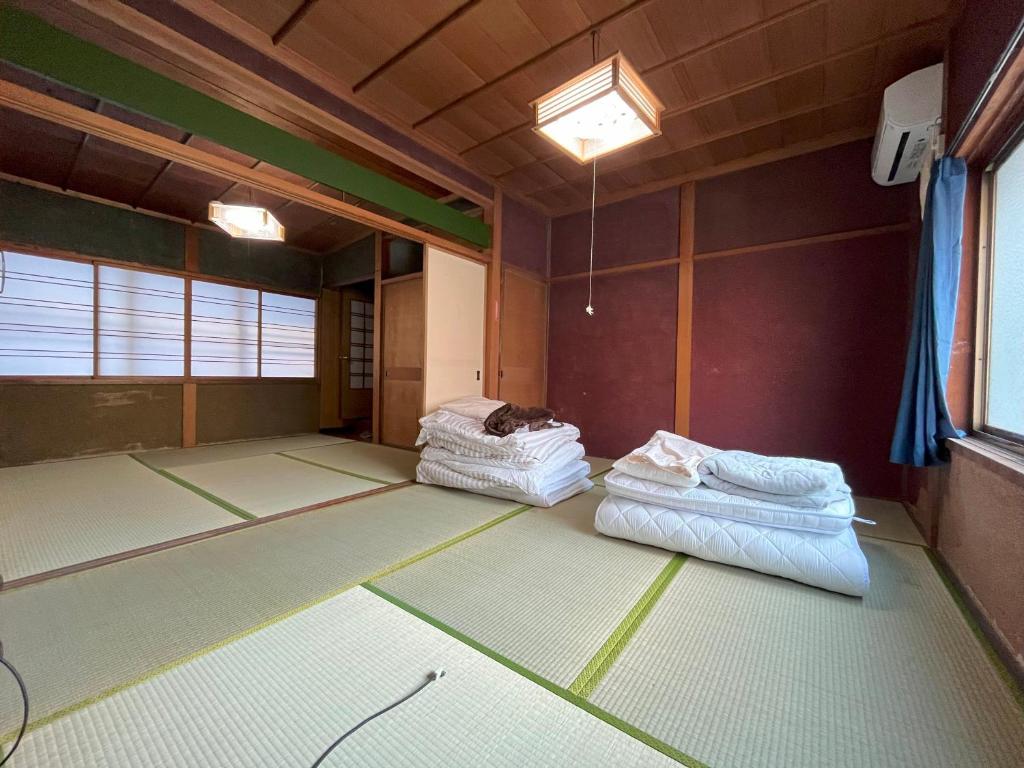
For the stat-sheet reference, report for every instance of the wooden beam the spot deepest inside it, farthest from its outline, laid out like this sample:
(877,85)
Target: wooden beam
(684,317)
(492,343)
(636,5)
(378,330)
(188,414)
(159,175)
(48,108)
(404,52)
(640,265)
(831,237)
(292,21)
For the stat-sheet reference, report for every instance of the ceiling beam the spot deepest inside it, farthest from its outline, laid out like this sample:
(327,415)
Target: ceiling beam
(54,110)
(419,41)
(937,21)
(33,44)
(159,175)
(293,21)
(636,5)
(78,151)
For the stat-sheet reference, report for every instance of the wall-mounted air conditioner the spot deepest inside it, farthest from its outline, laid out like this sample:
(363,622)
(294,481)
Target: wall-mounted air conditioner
(911,111)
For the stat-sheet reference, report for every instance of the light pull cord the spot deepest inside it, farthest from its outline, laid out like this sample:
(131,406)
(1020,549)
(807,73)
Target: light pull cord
(593,212)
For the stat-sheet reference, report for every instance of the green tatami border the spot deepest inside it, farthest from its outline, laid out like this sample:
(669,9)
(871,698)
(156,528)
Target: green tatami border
(598,666)
(168,666)
(334,469)
(225,505)
(562,693)
(1016,691)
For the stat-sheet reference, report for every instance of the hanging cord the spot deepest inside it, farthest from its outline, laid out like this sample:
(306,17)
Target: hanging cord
(24,699)
(431,677)
(593,216)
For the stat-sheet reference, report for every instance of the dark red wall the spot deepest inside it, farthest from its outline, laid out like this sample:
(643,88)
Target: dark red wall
(800,350)
(524,237)
(613,374)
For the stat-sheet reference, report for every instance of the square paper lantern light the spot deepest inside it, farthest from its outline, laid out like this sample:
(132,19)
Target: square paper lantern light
(606,108)
(246,221)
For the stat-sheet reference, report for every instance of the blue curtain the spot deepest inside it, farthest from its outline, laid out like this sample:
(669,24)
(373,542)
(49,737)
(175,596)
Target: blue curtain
(923,421)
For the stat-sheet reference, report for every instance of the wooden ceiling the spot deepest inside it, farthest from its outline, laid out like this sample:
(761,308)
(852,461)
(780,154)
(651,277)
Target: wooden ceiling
(741,80)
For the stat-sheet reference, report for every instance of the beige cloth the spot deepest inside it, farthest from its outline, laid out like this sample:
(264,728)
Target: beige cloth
(668,459)
(473,407)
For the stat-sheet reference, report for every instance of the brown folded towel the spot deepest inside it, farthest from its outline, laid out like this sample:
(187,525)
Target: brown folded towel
(507,419)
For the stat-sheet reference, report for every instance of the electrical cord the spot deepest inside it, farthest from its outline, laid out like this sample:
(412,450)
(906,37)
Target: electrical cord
(431,677)
(24,698)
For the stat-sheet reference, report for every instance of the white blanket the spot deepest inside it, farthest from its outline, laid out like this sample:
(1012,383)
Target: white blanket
(473,406)
(561,487)
(830,561)
(780,475)
(667,458)
(535,480)
(466,436)
(816,500)
(707,501)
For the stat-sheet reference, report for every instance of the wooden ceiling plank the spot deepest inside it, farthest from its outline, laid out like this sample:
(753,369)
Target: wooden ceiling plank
(293,21)
(78,151)
(404,52)
(159,175)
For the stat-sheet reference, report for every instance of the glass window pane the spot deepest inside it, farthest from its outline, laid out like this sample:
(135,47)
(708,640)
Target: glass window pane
(141,323)
(1005,402)
(289,324)
(225,321)
(46,317)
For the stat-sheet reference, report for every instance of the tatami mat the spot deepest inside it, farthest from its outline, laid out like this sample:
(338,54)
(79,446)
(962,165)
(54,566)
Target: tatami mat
(77,636)
(891,518)
(598,467)
(544,589)
(280,696)
(266,485)
(739,669)
(376,462)
(68,512)
(203,454)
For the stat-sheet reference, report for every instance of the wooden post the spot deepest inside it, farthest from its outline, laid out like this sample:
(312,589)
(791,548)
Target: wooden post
(378,252)
(492,336)
(684,322)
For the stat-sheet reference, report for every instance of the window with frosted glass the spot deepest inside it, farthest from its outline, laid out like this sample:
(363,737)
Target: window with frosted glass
(141,323)
(1004,404)
(46,316)
(225,324)
(288,339)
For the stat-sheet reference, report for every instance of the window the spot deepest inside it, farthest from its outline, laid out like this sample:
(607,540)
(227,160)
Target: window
(360,353)
(46,316)
(73,318)
(1003,401)
(287,339)
(225,330)
(141,323)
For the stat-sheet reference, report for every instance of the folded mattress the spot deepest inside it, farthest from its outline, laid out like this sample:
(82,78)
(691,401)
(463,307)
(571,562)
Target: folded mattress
(561,486)
(833,518)
(534,479)
(832,561)
(466,436)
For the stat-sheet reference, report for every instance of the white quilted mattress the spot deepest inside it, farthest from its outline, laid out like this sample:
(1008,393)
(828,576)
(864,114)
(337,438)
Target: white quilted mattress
(830,561)
(836,517)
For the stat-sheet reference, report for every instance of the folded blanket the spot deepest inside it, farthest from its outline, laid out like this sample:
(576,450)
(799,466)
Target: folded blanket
(473,406)
(784,476)
(707,501)
(535,480)
(469,435)
(560,488)
(667,458)
(817,500)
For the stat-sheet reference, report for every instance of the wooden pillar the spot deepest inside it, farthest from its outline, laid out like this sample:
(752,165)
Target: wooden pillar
(378,330)
(492,336)
(188,388)
(684,322)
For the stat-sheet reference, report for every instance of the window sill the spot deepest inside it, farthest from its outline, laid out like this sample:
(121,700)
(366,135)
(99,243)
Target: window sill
(1004,463)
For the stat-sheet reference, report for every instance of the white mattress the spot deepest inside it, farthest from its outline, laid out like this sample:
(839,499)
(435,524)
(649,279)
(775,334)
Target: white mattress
(706,501)
(466,436)
(830,561)
(560,486)
(536,479)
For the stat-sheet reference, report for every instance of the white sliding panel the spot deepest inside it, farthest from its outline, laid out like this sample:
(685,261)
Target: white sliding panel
(455,290)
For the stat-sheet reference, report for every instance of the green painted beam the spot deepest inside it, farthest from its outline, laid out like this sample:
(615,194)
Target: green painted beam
(32,44)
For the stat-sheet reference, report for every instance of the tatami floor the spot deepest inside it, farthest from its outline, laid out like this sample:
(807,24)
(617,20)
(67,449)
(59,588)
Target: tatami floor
(245,604)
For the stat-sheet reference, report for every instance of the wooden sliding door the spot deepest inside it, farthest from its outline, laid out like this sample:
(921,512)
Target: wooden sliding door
(524,339)
(401,386)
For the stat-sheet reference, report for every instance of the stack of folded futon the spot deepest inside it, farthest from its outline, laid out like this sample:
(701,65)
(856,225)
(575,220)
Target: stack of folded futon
(787,517)
(540,467)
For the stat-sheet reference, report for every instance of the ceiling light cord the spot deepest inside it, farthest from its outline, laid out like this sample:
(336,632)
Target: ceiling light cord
(593,216)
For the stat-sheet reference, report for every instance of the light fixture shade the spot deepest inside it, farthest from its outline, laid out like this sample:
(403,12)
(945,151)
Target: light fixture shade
(606,108)
(246,221)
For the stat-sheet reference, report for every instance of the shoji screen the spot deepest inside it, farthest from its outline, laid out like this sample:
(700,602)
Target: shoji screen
(455,290)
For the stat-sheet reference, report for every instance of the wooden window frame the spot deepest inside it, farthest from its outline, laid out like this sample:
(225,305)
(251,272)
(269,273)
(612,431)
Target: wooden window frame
(95,378)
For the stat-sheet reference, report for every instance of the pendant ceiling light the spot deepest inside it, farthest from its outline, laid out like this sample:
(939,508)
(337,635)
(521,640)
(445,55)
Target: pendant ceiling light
(604,109)
(247,221)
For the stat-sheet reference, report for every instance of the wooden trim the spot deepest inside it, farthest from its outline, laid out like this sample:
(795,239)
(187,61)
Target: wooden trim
(192,250)
(188,414)
(48,108)
(401,278)
(492,315)
(616,270)
(292,21)
(192,538)
(832,237)
(983,301)
(528,274)
(186,330)
(684,321)
(404,52)
(378,247)
(95,320)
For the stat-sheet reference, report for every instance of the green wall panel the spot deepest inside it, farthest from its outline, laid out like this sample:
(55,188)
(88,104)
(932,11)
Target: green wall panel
(263,262)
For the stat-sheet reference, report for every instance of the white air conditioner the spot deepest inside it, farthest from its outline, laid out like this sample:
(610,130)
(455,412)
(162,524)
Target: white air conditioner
(911,111)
